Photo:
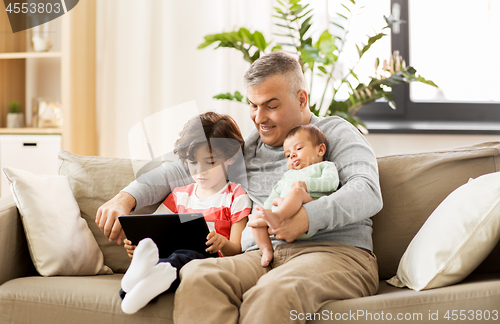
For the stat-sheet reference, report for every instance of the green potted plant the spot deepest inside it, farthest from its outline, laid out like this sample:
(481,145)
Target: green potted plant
(15,116)
(320,57)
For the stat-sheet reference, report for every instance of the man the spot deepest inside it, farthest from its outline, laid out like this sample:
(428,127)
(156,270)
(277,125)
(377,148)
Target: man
(335,263)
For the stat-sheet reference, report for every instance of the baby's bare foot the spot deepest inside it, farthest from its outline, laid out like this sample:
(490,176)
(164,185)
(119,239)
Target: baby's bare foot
(267,257)
(271,218)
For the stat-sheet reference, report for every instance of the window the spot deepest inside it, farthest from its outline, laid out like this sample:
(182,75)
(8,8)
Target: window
(456,44)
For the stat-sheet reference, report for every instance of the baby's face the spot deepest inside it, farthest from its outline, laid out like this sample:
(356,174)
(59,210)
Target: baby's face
(300,151)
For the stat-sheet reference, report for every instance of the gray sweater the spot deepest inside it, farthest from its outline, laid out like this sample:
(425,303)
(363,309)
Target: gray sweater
(343,216)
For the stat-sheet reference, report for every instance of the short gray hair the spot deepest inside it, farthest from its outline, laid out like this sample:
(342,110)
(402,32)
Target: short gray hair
(273,64)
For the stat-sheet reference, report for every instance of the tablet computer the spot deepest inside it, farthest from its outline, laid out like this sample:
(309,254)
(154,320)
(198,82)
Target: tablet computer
(170,232)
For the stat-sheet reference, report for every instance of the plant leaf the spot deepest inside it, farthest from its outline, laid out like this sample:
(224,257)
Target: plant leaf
(372,40)
(313,109)
(246,35)
(260,41)
(360,52)
(277,48)
(322,69)
(255,56)
(338,25)
(296,9)
(304,27)
(303,15)
(310,55)
(287,44)
(343,5)
(341,15)
(228,96)
(283,16)
(295,21)
(326,46)
(238,96)
(429,82)
(235,36)
(285,26)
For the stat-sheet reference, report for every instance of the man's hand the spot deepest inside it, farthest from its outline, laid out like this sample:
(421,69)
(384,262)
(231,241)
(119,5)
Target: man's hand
(215,241)
(107,216)
(127,244)
(290,229)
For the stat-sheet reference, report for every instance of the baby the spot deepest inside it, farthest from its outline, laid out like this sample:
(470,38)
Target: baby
(308,178)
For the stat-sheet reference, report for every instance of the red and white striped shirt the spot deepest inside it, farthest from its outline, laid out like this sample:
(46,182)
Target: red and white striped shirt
(221,210)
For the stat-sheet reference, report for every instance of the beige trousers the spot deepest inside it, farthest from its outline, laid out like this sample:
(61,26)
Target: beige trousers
(301,278)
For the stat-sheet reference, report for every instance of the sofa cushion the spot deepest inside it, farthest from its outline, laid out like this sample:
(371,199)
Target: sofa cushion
(413,185)
(95,180)
(77,300)
(59,241)
(15,260)
(455,239)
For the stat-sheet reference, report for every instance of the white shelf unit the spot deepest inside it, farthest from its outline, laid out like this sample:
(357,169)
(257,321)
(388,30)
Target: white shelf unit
(37,154)
(66,74)
(21,55)
(44,70)
(46,76)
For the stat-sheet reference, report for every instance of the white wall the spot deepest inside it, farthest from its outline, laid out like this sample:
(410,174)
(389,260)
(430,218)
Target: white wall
(388,144)
(147,61)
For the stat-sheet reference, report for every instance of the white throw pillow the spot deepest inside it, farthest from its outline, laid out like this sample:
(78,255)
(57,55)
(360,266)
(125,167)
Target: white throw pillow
(456,237)
(59,240)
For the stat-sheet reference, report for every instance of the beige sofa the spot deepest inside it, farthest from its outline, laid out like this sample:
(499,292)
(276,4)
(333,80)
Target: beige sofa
(412,187)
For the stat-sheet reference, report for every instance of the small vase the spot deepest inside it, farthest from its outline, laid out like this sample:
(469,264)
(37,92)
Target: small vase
(15,120)
(41,44)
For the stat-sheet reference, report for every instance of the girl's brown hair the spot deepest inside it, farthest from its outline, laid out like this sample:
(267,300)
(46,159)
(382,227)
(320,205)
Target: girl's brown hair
(220,132)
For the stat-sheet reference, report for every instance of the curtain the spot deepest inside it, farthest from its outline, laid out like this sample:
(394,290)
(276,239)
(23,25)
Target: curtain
(147,61)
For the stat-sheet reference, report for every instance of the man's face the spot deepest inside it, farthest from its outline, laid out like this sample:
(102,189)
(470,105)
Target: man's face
(275,111)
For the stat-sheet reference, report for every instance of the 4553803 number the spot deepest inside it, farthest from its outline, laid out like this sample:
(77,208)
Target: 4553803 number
(32,7)
(471,315)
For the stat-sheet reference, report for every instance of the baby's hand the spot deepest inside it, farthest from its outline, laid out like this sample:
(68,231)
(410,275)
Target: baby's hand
(300,184)
(127,244)
(215,242)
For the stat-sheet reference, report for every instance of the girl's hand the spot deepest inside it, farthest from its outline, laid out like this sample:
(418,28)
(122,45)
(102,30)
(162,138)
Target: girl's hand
(215,242)
(127,244)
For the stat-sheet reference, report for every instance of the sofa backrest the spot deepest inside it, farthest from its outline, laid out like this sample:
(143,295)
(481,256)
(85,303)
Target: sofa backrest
(95,180)
(15,260)
(413,185)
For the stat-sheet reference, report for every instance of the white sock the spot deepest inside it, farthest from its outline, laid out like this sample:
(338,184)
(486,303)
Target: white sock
(158,280)
(144,259)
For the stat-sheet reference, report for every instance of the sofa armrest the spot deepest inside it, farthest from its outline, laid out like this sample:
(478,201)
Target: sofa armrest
(15,260)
